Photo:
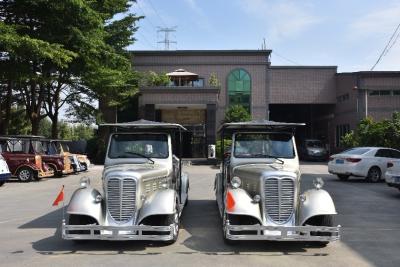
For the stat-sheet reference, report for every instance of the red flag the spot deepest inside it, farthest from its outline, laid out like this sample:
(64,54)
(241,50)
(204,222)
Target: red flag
(60,197)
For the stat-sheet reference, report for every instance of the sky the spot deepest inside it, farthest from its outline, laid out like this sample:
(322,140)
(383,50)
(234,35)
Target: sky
(349,34)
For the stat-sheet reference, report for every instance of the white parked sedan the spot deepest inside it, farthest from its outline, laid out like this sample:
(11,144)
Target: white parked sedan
(392,175)
(368,162)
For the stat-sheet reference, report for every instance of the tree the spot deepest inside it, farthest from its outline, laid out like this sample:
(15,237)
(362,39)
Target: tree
(237,113)
(213,81)
(67,52)
(384,133)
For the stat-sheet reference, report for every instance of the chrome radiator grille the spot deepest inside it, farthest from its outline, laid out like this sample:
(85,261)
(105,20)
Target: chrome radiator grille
(279,199)
(121,198)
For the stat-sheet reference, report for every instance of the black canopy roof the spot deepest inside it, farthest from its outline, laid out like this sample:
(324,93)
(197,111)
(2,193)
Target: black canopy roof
(145,124)
(258,125)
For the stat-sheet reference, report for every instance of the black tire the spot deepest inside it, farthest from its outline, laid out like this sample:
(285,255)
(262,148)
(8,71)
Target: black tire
(374,175)
(170,219)
(79,220)
(323,220)
(343,177)
(2,182)
(55,172)
(25,174)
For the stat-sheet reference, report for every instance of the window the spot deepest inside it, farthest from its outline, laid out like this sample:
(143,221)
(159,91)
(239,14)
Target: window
(198,83)
(341,130)
(384,92)
(356,151)
(239,88)
(138,146)
(342,98)
(384,153)
(249,145)
(395,154)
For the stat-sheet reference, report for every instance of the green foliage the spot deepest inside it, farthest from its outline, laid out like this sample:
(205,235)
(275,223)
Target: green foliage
(76,132)
(237,113)
(19,124)
(151,78)
(384,133)
(213,80)
(227,146)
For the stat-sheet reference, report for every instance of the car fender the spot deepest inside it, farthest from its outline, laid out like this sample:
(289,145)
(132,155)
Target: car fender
(184,186)
(316,202)
(243,204)
(158,203)
(83,202)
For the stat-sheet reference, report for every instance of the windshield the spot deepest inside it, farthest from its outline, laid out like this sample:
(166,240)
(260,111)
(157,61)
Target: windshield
(138,146)
(65,147)
(265,145)
(314,143)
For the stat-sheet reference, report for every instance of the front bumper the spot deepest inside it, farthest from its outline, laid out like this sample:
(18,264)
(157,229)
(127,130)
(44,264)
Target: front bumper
(393,180)
(135,232)
(284,233)
(5,176)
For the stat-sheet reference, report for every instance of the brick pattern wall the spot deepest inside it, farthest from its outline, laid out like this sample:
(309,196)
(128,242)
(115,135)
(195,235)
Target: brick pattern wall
(302,85)
(255,65)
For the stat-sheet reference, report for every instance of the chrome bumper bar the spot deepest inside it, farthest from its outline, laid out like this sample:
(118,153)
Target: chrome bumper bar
(284,233)
(134,232)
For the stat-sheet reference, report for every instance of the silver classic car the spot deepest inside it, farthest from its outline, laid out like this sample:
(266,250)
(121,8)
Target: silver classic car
(144,188)
(258,189)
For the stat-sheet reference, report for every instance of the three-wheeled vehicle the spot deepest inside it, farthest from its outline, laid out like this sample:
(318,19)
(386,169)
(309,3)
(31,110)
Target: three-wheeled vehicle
(258,189)
(144,188)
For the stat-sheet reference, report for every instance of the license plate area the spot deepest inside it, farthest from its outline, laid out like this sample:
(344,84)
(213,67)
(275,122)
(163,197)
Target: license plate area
(339,161)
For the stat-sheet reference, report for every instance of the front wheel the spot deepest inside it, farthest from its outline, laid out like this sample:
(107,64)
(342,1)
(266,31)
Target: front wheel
(173,219)
(323,220)
(374,175)
(25,174)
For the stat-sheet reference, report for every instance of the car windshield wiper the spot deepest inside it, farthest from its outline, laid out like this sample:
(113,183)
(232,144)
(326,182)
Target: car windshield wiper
(140,155)
(268,156)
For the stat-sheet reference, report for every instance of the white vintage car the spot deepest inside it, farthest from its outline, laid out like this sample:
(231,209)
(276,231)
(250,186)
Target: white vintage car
(258,190)
(144,188)
(4,171)
(392,175)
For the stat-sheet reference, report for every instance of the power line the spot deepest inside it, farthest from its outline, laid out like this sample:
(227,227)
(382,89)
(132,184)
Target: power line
(155,10)
(388,46)
(144,14)
(289,60)
(146,40)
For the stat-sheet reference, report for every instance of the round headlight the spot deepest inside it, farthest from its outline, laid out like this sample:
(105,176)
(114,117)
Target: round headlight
(256,199)
(318,183)
(84,182)
(98,199)
(236,182)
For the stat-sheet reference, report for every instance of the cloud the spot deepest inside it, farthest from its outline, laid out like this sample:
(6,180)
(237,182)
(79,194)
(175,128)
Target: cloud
(374,30)
(201,20)
(283,19)
(380,22)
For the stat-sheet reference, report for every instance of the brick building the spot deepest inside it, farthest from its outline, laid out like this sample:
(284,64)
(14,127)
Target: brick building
(330,103)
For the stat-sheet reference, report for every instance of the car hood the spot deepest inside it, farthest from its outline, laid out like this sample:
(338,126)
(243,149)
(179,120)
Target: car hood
(136,170)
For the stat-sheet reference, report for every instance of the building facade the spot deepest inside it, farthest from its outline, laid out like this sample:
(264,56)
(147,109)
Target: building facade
(330,103)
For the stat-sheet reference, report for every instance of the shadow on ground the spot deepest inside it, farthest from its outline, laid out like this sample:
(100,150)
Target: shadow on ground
(200,219)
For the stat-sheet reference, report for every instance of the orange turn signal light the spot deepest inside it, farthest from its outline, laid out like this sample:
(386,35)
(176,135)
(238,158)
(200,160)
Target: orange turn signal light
(230,202)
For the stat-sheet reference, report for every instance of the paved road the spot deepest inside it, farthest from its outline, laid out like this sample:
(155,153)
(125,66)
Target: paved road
(369,213)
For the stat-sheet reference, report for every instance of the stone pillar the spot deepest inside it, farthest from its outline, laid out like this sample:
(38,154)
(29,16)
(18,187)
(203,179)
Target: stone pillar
(211,124)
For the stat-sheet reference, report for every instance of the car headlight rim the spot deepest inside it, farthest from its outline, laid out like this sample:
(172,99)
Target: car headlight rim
(236,182)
